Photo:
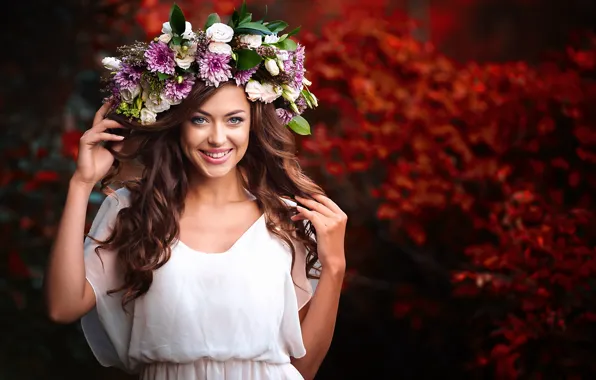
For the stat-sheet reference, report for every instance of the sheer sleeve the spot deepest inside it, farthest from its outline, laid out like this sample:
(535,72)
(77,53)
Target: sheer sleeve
(107,327)
(304,286)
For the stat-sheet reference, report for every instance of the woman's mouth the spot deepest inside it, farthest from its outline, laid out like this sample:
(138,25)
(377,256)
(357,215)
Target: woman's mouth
(215,158)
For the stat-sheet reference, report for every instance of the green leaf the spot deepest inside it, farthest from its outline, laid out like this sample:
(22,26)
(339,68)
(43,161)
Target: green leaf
(234,20)
(277,26)
(163,76)
(177,40)
(177,21)
(286,44)
(282,37)
(243,12)
(246,19)
(212,19)
(299,125)
(294,32)
(252,28)
(247,59)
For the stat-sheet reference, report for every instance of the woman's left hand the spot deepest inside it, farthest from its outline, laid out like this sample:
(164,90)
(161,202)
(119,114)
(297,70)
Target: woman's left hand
(330,223)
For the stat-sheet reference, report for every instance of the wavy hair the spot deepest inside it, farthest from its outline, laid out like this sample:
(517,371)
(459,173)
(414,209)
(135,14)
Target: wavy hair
(144,232)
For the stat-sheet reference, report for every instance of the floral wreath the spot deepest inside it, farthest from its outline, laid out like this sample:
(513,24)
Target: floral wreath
(149,78)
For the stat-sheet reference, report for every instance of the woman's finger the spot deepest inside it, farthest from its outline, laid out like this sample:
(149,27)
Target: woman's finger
(317,219)
(101,113)
(329,203)
(94,138)
(106,124)
(316,206)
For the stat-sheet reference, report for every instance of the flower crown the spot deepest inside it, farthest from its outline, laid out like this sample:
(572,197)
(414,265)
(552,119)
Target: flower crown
(149,78)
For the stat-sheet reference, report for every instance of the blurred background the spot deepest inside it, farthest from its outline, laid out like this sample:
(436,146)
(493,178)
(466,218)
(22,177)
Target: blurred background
(458,135)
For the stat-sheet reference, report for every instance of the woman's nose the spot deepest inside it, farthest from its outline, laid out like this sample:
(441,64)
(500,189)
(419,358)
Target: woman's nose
(217,135)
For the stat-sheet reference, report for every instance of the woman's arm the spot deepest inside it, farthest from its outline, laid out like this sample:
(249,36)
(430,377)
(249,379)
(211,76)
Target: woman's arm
(318,321)
(68,295)
(319,315)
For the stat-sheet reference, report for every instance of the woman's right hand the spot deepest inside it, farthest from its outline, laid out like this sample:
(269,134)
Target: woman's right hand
(94,160)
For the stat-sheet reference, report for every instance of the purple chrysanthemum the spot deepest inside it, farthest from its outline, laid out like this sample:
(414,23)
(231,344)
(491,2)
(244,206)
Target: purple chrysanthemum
(294,67)
(128,77)
(299,65)
(243,76)
(160,58)
(284,115)
(214,68)
(178,91)
(301,104)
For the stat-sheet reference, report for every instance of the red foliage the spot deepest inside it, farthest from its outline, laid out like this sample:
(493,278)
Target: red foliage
(499,156)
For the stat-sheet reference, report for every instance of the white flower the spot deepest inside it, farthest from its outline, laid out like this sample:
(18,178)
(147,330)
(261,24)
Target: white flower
(270,93)
(148,116)
(111,63)
(219,32)
(271,39)
(167,29)
(165,38)
(290,93)
(283,55)
(252,40)
(266,93)
(253,89)
(220,48)
(157,104)
(185,55)
(271,66)
(306,81)
(129,95)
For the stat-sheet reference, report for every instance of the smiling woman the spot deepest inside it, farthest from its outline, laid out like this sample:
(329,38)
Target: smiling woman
(199,269)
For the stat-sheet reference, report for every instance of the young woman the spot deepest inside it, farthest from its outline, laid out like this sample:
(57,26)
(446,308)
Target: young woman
(200,268)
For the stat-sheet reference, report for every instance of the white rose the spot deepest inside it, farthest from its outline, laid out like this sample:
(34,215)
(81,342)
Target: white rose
(187,35)
(252,40)
(157,104)
(219,32)
(111,63)
(290,93)
(129,95)
(220,48)
(271,66)
(148,116)
(271,39)
(283,55)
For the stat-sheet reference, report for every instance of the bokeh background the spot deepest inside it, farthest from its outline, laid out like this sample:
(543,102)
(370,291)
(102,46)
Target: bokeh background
(458,135)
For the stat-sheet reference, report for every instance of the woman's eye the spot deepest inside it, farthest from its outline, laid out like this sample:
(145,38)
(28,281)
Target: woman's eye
(236,120)
(198,120)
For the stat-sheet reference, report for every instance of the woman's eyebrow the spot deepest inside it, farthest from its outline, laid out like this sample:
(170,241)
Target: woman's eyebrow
(228,114)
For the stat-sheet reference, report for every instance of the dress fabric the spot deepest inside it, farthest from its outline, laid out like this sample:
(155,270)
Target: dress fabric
(207,316)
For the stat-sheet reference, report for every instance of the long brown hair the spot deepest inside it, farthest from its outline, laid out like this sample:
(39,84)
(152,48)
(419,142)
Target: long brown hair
(144,232)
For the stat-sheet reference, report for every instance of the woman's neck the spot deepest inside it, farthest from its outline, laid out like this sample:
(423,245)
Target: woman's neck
(217,191)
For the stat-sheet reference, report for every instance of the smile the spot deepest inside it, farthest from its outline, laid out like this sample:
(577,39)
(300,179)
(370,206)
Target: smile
(215,157)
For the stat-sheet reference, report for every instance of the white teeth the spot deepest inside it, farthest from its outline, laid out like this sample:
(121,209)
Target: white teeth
(216,155)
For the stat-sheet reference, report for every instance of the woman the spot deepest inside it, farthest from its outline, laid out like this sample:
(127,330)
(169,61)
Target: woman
(198,270)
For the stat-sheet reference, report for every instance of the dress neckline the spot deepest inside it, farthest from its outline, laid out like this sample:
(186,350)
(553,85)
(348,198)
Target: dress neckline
(242,237)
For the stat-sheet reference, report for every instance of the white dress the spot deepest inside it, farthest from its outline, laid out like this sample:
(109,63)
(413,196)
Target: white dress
(224,316)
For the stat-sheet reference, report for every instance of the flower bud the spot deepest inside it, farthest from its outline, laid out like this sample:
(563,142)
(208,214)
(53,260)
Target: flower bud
(271,66)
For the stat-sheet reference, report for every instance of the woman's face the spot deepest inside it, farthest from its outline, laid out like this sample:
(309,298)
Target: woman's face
(215,137)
